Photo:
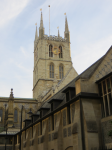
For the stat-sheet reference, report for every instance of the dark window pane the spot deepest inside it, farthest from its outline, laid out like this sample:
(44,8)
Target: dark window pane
(41,114)
(50,51)
(69,114)
(53,122)
(100,89)
(106,106)
(102,108)
(110,101)
(72,93)
(15,115)
(108,85)
(52,107)
(1,114)
(104,87)
(67,96)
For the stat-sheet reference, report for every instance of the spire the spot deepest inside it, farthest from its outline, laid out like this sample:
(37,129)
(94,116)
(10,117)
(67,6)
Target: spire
(41,28)
(41,21)
(66,25)
(58,33)
(11,94)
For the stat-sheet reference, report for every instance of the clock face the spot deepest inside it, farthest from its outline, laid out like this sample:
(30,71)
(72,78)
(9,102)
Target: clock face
(56,50)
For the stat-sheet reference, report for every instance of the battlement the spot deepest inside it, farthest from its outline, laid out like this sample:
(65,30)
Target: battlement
(54,38)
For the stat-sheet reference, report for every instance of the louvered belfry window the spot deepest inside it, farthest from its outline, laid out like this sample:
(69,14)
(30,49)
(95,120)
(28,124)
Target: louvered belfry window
(15,115)
(61,74)
(1,115)
(51,68)
(60,54)
(50,51)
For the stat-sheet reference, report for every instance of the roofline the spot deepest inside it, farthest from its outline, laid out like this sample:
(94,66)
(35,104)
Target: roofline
(80,95)
(18,98)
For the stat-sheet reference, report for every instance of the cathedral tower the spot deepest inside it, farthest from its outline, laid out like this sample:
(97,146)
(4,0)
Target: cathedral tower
(52,61)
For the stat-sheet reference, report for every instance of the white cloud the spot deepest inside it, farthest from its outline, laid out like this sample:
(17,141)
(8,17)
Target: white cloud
(10,9)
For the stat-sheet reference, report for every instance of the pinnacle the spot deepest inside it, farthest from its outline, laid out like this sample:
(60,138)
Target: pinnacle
(36,34)
(66,25)
(58,33)
(41,21)
(11,94)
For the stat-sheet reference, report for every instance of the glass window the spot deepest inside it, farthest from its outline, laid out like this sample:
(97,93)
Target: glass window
(61,71)
(108,85)
(67,96)
(69,114)
(110,101)
(100,89)
(106,106)
(51,68)
(52,107)
(1,115)
(50,51)
(15,115)
(102,108)
(104,87)
(60,54)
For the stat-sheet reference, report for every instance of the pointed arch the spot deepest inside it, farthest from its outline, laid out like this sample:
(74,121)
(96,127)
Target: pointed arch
(61,71)
(50,51)
(61,53)
(51,70)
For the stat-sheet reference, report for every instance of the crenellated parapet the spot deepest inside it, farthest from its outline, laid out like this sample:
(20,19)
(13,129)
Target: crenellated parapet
(54,38)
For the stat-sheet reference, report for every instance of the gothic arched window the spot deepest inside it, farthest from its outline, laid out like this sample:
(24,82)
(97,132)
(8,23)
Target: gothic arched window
(1,115)
(61,74)
(51,70)
(60,54)
(50,51)
(15,115)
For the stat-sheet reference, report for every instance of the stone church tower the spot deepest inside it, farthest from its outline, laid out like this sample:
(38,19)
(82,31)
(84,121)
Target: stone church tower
(52,61)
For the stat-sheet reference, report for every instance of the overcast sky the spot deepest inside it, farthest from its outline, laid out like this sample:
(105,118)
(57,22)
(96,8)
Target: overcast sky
(90,25)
